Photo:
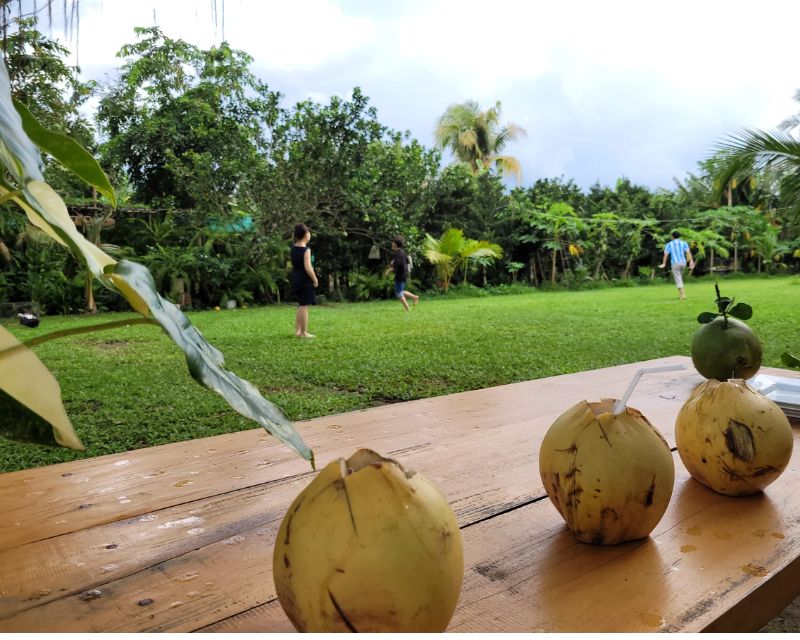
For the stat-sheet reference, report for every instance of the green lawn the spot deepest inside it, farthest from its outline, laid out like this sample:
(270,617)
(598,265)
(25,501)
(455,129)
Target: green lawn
(129,388)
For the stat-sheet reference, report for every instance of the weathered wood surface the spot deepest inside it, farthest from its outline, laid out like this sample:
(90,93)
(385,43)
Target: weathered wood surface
(179,537)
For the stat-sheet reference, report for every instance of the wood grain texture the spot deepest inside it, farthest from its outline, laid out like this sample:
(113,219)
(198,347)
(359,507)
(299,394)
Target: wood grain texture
(179,537)
(704,568)
(50,501)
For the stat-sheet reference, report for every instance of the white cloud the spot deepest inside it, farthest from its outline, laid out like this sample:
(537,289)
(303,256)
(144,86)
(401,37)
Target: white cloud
(622,87)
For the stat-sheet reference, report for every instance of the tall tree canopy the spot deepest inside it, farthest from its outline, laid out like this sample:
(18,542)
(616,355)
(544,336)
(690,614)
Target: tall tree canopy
(189,127)
(477,137)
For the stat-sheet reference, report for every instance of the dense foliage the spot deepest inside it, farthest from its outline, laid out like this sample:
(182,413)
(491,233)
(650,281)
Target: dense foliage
(213,170)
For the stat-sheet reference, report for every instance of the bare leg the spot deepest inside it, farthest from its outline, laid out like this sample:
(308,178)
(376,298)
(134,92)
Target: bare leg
(683,295)
(408,294)
(402,300)
(301,322)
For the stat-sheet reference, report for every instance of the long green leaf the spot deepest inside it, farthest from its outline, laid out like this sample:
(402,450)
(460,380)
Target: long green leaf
(206,363)
(46,210)
(68,152)
(790,360)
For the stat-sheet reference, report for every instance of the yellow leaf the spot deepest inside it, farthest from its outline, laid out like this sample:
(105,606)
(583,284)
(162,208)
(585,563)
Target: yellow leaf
(25,378)
(135,300)
(52,209)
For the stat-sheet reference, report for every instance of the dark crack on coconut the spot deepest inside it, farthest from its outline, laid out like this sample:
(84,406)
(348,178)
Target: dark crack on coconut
(336,606)
(739,440)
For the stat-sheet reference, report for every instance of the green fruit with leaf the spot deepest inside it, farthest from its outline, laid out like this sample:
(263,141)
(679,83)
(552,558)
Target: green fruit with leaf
(724,347)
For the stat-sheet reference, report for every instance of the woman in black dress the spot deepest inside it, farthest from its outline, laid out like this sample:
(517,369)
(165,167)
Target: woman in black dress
(304,280)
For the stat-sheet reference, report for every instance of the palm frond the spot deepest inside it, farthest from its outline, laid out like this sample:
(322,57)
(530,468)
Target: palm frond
(762,149)
(509,164)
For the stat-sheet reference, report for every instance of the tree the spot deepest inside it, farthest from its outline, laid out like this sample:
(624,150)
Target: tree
(602,227)
(763,151)
(454,251)
(560,225)
(476,137)
(53,93)
(189,127)
(768,249)
(355,182)
(633,232)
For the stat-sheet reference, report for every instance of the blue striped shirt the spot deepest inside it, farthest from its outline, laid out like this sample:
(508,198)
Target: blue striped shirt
(676,249)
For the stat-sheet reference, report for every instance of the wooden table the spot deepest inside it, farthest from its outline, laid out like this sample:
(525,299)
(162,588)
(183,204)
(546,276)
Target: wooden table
(179,537)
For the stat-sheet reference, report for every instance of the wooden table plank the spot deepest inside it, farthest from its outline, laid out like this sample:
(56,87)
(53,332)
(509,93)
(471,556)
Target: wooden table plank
(525,571)
(232,508)
(59,499)
(506,463)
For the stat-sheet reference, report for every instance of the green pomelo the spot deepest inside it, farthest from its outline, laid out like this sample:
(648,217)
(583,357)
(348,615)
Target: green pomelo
(721,352)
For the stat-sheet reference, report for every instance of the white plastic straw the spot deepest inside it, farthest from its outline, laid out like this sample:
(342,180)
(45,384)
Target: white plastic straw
(619,405)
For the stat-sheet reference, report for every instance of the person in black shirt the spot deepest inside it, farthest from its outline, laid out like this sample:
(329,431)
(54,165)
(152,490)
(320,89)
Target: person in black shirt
(400,266)
(304,280)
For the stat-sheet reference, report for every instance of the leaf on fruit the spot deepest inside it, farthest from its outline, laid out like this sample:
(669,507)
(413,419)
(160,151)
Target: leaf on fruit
(723,303)
(742,311)
(706,317)
(790,360)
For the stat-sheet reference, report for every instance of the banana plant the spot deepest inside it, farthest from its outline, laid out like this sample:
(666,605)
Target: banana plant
(31,409)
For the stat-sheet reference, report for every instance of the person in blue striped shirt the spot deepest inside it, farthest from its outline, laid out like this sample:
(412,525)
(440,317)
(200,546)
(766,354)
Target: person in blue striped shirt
(679,254)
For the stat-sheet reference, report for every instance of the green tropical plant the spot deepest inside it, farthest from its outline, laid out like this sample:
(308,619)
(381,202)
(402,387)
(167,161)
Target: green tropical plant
(602,227)
(476,137)
(769,249)
(443,254)
(477,252)
(30,402)
(756,150)
(560,224)
(454,251)
(633,232)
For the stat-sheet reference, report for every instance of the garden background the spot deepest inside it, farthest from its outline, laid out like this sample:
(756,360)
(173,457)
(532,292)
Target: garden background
(212,171)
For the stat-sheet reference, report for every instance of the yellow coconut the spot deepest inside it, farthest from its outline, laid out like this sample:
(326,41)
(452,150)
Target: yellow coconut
(733,439)
(610,476)
(369,546)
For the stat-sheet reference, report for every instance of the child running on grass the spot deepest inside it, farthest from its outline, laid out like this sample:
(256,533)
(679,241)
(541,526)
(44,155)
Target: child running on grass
(399,265)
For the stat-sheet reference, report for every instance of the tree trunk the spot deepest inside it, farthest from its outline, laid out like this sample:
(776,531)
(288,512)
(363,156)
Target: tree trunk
(91,307)
(553,269)
(532,272)
(711,263)
(541,266)
(627,273)
(736,255)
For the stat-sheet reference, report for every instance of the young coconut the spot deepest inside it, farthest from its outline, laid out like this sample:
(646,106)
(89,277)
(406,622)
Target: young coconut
(724,347)
(610,476)
(369,546)
(731,438)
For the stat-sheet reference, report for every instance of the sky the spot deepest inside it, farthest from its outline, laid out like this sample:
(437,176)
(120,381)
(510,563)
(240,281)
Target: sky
(641,89)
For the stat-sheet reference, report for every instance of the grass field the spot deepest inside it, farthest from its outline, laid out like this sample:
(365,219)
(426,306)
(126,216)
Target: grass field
(129,388)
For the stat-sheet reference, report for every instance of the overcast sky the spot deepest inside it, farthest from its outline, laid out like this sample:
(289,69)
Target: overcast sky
(638,88)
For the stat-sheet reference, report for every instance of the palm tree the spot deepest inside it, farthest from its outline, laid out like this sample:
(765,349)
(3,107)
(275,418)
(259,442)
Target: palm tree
(477,252)
(442,253)
(454,251)
(765,151)
(477,138)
